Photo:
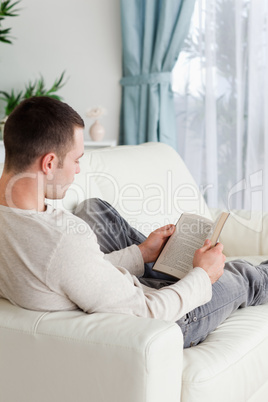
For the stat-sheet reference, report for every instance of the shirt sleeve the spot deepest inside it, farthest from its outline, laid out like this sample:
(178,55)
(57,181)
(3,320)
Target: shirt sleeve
(129,258)
(79,271)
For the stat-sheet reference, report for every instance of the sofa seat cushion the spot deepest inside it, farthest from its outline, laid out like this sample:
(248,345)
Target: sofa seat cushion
(236,352)
(231,364)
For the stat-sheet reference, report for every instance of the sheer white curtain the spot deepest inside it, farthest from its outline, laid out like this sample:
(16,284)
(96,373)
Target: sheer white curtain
(220,83)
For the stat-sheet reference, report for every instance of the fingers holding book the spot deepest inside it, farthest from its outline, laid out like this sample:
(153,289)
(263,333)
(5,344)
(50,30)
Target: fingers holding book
(152,246)
(212,260)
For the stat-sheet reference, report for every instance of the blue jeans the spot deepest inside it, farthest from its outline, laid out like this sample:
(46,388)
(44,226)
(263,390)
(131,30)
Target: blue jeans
(241,285)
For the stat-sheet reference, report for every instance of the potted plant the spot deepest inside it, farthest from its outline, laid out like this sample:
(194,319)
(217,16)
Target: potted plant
(37,88)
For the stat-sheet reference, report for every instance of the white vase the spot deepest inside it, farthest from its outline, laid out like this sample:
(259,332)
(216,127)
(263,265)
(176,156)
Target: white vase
(96,131)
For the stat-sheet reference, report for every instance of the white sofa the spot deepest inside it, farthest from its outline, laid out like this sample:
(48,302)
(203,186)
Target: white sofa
(71,356)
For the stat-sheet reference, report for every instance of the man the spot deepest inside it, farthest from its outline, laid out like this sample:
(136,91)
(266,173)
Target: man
(46,266)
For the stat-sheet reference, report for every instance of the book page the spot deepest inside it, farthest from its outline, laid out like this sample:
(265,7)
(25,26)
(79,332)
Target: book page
(177,256)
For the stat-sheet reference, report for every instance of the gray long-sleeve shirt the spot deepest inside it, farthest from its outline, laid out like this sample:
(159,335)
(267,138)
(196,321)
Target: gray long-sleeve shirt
(51,261)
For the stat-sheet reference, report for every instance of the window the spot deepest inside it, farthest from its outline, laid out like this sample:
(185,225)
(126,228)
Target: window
(220,85)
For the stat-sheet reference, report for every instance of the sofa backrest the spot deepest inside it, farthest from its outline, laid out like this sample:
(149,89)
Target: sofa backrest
(148,184)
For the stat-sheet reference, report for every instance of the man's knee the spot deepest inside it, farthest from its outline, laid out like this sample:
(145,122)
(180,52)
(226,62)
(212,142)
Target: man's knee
(91,205)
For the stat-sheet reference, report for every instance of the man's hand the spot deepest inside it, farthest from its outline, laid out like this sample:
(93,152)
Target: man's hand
(152,246)
(210,259)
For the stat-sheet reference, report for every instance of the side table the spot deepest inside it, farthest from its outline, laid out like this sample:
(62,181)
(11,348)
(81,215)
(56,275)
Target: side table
(99,144)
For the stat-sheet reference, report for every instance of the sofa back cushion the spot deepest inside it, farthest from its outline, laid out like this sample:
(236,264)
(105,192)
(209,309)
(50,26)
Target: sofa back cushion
(148,183)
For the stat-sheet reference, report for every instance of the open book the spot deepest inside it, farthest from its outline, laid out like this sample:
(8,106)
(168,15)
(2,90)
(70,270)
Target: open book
(176,258)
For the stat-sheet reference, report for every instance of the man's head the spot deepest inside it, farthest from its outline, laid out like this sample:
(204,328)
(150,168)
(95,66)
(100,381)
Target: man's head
(36,127)
(43,141)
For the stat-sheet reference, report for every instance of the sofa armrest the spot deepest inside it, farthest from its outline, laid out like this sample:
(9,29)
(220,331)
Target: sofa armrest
(245,233)
(72,356)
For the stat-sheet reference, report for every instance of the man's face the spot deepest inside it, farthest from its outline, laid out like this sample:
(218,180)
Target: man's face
(64,176)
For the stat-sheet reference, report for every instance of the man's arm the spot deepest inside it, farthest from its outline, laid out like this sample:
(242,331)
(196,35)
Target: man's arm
(211,260)
(79,272)
(129,258)
(133,257)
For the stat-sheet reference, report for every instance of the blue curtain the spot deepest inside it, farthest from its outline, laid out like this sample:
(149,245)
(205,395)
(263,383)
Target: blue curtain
(153,32)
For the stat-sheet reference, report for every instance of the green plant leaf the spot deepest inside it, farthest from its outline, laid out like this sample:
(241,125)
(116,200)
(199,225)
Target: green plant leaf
(57,97)
(56,86)
(36,88)
(12,100)
(5,40)
(5,31)
(5,94)
(29,90)
(7,10)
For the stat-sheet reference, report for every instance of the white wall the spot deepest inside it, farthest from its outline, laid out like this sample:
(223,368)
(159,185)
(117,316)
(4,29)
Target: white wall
(82,37)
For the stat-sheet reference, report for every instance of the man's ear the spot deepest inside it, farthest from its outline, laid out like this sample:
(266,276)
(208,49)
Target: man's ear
(49,163)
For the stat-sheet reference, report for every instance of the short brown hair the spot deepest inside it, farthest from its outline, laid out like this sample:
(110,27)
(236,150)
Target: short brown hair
(37,126)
